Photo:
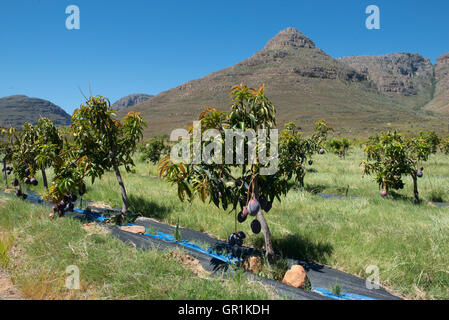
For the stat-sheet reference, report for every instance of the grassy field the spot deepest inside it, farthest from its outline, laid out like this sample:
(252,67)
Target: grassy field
(409,243)
(40,250)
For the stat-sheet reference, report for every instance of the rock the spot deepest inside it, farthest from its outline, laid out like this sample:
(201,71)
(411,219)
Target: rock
(130,101)
(134,229)
(253,264)
(430,203)
(295,277)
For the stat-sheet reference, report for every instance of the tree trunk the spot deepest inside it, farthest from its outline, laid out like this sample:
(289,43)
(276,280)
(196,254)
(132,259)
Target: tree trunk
(415,187)
(266,231)
(44,179)
(123,191)
(267,235)
(5,175)
(301,181)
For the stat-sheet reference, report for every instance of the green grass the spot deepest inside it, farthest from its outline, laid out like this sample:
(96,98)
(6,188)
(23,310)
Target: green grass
(109,268)
(409,243)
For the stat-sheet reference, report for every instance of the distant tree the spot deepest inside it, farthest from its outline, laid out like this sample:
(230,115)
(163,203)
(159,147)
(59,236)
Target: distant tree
(390,156)
(432,139)
(153,150)
(104,143)
(444,146)
(339,146)
(8,138)
(49,144)
(25,153)
(296,151)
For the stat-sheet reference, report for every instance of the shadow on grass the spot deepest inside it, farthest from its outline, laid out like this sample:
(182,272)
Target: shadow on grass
(147,208)
(297,247)
(397,196)
(315,188)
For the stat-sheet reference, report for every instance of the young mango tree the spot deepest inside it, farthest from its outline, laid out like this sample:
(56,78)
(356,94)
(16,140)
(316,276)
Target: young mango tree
(153,151)
(339,146)
(24,156)
(432,139)
(69,173)
(104,143)
(296,151)
(49,143)
(390,156)
(248,180)
(8,138)
(444,146)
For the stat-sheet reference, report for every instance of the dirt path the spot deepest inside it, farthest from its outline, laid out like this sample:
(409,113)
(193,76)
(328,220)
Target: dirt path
(7,290)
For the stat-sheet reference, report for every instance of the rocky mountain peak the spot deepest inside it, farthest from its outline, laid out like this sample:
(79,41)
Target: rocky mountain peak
(402,73)
(130,101)
(289,38)
(444,59)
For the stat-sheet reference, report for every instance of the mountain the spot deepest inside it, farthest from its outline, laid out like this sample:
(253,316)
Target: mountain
(356,95)
(440,101)
(130,100)
(404,73)
(15,110)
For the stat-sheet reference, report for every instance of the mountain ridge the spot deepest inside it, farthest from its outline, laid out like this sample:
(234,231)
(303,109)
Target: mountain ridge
(16,109)
(307,85)
(130,100)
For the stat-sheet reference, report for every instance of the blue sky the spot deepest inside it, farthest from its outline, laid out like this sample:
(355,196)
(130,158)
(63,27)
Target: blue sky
(144,46)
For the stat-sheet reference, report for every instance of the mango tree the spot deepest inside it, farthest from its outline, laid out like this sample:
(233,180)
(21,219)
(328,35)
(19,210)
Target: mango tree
(296,151)
(49,144)
(8,139)
(242,176)
(153,150)
(105,143)
(390,156)
(69,171)
(24,156)
(339,146)
(444,146)
(432,139)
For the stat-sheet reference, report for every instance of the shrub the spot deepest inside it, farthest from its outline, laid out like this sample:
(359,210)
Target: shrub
(339,146)
(154,150)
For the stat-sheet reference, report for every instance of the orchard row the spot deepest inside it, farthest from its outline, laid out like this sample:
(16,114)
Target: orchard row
(96,142)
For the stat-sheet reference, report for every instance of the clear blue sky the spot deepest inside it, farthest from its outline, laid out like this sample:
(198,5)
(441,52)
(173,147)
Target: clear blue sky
(144,46)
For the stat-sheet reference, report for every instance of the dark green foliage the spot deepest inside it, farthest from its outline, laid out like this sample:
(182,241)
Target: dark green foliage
(153,150)
(444,146)
(339,146)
